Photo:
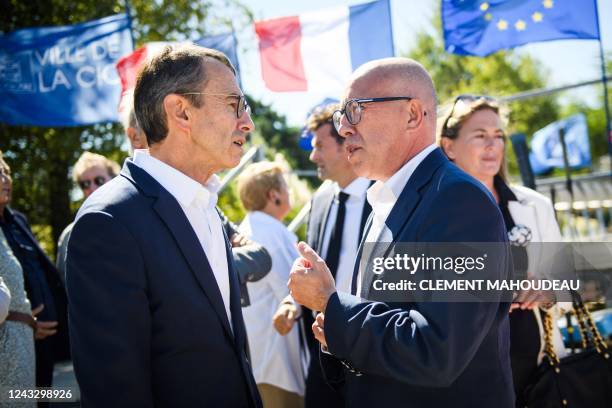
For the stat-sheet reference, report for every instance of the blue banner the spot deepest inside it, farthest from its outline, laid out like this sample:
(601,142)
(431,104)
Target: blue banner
(63,76)
(480,28)
(547,152)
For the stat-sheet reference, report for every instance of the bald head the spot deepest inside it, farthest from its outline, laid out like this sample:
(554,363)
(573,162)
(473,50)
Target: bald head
(382,135)
(399,76)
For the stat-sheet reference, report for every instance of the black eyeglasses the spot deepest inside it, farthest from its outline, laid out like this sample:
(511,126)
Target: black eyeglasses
(98,181)
(465,98)
(241,107)
(353,108)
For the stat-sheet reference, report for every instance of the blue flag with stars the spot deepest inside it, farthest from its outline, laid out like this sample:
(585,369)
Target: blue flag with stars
(478,27)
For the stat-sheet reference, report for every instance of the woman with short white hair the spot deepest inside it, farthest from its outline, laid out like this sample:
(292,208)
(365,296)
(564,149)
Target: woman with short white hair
(277,366)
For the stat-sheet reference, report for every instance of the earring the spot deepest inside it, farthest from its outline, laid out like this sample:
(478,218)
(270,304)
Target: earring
(277,201)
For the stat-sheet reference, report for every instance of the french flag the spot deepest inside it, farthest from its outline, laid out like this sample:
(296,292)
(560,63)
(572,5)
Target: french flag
(319,50)
(129,65)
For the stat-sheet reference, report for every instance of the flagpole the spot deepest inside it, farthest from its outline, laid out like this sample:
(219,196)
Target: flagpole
(129,16)
(605,89)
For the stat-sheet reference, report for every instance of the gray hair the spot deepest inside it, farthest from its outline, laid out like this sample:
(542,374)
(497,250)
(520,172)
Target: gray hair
(176,69)
(128,114)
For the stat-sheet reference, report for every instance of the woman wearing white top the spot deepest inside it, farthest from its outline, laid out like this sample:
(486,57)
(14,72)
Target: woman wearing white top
(277,366)
(472,137)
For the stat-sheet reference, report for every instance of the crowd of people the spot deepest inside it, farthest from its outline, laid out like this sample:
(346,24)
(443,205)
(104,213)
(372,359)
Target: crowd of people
(170,304)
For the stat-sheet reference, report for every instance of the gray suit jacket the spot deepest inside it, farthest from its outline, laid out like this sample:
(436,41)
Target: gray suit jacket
(252,261)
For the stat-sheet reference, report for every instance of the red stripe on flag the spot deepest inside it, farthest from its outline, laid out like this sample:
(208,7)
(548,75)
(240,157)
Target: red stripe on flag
(282,67)
(128,66)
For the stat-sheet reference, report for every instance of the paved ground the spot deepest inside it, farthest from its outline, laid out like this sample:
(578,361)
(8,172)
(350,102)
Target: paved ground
(63,379)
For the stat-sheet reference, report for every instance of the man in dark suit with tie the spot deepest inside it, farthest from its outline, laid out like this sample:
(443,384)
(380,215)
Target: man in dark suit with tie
(336,221)
(154,305)
(410,353)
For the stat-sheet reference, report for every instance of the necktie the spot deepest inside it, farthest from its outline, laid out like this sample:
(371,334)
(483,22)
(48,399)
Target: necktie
(333,251)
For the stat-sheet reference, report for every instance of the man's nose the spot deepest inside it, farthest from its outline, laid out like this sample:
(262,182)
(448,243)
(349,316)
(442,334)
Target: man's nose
(314,156)
(346,129)
(245,123)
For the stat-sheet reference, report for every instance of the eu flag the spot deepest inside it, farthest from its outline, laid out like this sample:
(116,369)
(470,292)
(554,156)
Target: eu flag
(478,27)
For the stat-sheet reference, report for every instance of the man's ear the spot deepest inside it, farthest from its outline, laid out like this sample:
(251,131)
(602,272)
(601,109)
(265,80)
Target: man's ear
(137,138)
(416,114)
(448,146)
(177,112)
(272,194)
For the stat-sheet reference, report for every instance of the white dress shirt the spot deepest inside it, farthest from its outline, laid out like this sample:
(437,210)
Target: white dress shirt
(382,196)
(350,233)
(276,359)
(198,203)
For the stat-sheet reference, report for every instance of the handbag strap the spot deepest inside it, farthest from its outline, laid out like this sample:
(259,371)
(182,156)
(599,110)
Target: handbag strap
(589,334)
(587,325)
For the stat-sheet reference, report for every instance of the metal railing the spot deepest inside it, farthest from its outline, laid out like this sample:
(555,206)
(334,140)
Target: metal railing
(583,208)
(302,215)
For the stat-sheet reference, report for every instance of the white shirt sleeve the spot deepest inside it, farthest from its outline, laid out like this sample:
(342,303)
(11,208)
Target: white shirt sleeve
(5,300)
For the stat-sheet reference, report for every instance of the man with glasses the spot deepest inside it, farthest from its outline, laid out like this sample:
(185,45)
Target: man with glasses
(90,172)
(335,225)
(417,354)
(154,298)
(252,260)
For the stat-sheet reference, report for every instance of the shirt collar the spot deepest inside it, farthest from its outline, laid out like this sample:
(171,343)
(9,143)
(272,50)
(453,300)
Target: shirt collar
(356,188)
(382,196)
(186,190)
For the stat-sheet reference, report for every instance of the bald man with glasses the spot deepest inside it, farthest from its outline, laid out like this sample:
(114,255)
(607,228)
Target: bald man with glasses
(408,353)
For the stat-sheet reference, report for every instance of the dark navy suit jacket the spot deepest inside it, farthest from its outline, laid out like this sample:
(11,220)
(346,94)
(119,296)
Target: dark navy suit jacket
(429,354)
(148,322)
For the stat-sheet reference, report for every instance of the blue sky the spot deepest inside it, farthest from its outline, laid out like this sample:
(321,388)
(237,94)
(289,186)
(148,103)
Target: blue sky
(567,62)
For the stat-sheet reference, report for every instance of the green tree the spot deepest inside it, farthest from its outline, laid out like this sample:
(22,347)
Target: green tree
(501,74)
(276,136)
(41,158)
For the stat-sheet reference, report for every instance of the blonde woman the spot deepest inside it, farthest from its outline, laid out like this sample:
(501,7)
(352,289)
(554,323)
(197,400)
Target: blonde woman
(472,136)
(276,362)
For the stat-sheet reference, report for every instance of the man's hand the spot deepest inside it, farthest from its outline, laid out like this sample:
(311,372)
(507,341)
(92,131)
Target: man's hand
(43,329)
(310,281)
(239,240)
(318,330)
(531,298)
(285,318)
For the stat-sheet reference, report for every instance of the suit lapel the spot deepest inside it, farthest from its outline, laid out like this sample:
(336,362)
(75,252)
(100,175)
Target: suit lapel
(365,214)
(357,265)
(328,200)
(186,239)
(26,230)
(525,214)
(406,204)
(410,197)
(235,307)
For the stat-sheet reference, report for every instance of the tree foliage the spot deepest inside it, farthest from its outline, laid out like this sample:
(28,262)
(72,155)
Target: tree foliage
(41,158)
(501,74)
